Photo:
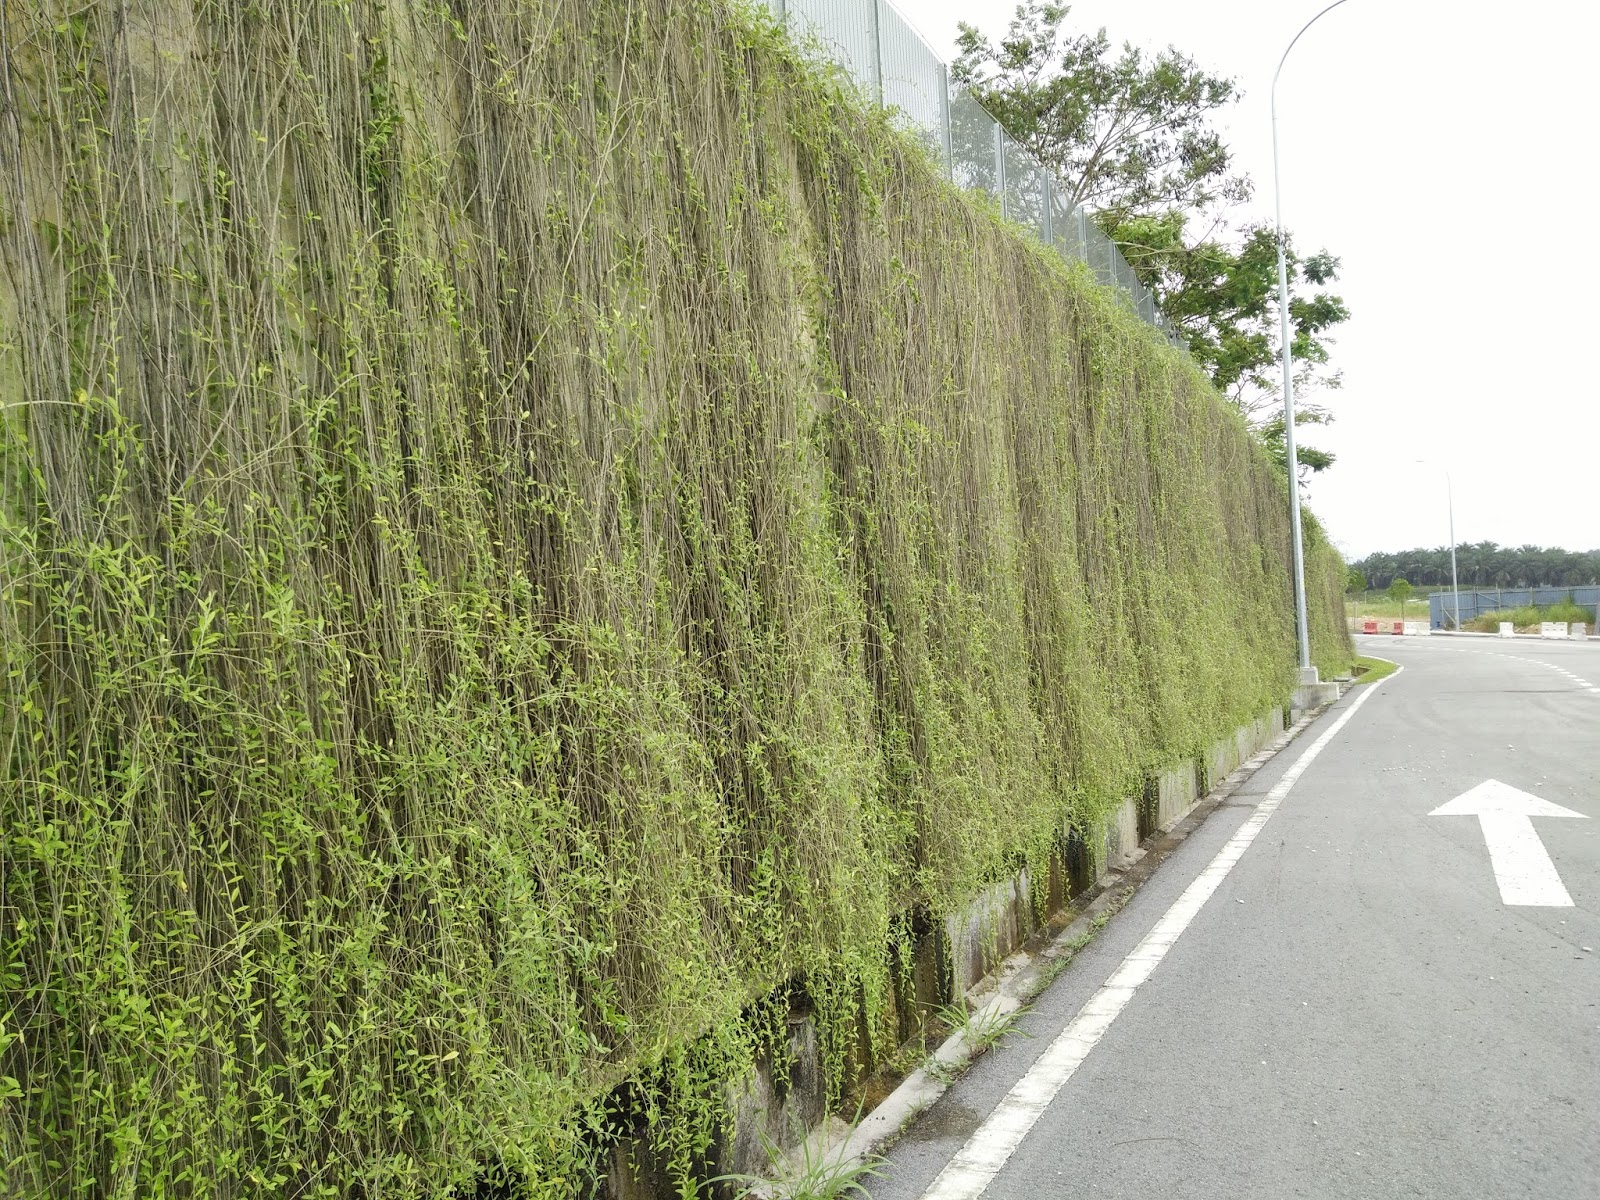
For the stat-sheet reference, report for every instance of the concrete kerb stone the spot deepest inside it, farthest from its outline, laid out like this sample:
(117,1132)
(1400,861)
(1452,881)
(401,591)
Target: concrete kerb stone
(1026,973)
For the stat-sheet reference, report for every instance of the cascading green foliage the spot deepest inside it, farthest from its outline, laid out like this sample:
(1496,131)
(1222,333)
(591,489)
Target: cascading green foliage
(527,526)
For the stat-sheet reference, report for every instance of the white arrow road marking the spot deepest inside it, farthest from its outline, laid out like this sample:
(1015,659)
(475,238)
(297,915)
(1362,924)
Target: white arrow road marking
(1522,866)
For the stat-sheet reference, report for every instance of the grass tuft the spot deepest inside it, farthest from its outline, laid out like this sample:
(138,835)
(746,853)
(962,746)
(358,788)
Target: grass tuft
(813,1172)
(1370,670)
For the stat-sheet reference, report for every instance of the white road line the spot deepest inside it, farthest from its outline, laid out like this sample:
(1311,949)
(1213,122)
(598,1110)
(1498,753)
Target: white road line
(1583,684)
(970,1172)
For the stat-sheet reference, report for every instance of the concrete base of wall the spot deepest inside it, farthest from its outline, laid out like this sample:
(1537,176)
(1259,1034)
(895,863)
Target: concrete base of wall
(1120,842)
(1229,754)
(993,924)
(1172,794)
(778,1105)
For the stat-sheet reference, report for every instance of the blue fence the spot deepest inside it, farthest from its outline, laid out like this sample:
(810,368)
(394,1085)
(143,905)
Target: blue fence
(1477,601)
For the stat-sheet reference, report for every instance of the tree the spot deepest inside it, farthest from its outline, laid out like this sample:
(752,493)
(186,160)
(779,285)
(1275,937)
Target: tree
(1223,296)
(1355,581)
(1130,138)
(1270,430)
(1125,134)
(1485,564)
(1399,591)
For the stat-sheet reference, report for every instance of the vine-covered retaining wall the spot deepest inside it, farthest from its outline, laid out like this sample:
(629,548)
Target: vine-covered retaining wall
(533,533)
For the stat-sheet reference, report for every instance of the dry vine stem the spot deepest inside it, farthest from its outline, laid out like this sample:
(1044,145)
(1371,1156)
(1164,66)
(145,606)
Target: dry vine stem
(529,526)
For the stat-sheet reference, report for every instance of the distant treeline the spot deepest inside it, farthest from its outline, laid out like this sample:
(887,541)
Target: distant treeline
(1483,564)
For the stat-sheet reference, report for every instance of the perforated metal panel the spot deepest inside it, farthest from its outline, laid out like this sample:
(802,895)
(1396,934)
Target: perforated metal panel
(915,83)
(974,145)
(1027,190)
(894,66)
(846,30)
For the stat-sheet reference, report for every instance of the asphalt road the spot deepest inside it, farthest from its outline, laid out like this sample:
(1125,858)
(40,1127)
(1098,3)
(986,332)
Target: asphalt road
(1355,1011)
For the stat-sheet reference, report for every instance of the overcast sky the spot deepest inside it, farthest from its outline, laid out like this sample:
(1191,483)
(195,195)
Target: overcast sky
(1446,153)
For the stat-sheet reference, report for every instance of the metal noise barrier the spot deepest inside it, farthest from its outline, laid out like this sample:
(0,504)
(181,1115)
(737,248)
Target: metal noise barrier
(894,66)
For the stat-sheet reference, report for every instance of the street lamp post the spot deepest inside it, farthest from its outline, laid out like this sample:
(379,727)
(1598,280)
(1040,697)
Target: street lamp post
(1450,508)
(1307,671)
(1455,583)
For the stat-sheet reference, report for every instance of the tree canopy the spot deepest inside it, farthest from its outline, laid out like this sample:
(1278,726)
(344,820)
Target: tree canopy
(1483,564)
(1130,136)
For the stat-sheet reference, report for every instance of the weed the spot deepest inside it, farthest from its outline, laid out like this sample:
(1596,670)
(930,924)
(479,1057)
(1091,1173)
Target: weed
(813,1173)
(944,1070)
(1063,956)
(982,1027)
